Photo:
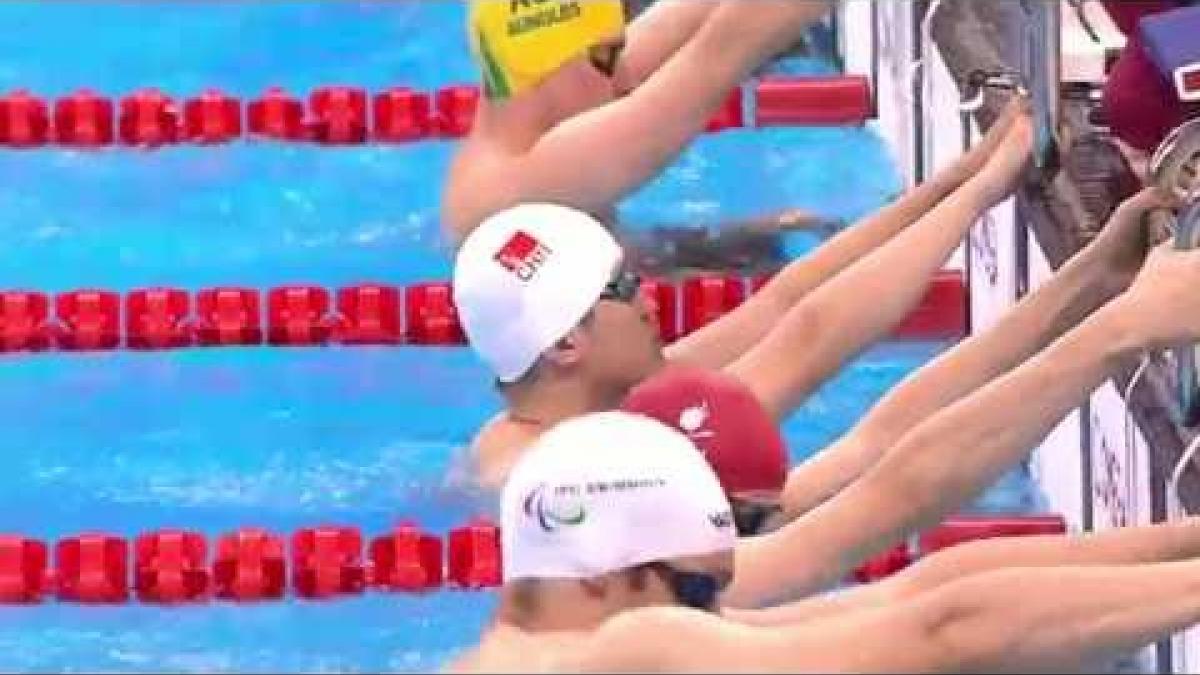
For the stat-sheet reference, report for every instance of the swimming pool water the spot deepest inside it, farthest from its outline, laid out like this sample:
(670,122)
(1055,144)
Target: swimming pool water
(282,438)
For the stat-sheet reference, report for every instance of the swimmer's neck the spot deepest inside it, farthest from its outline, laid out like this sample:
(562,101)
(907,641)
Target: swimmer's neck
(546,402)
(565,608)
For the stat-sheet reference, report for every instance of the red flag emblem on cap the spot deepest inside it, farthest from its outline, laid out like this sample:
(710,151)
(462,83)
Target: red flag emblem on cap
(522,255)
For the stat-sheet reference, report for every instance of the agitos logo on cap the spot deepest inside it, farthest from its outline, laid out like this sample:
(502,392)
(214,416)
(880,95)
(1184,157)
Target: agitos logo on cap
(548,512)
(523,255)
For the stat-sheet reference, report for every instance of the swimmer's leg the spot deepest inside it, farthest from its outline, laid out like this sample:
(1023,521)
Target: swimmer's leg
(721,342)
(1093,276)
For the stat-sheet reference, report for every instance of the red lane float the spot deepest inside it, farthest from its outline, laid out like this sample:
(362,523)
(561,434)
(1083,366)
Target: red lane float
(964,528)
(455,110)
(228,316)
(148,118)
(171,567)
(402,115)
(942,313)
(349,115)
(758,282)
(883,565)
(708,298)
(24,120)
(249,565)
(23,569)
(339,115)
(24,322)
(277,114)
(664,298)
(432,316)
(212,117)
(368,314)
(953,531)
(88,320)
(813,101)
(406,559)
(730,115)
(327,561)
(92,568)
(157,318)
(298,315)
(83,119)
(473,559)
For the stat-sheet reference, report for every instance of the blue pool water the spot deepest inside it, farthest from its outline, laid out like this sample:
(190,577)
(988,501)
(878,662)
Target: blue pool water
(283,438)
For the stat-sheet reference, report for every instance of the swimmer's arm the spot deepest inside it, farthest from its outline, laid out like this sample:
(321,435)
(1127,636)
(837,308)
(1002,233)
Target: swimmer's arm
(1161,542)
(658,32)
(928,474)
(593,160)
(858,306)
(1018,619)
(1076,290)
(721,342)
(1049,618)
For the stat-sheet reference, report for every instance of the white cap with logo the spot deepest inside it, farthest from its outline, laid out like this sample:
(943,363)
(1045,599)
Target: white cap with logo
(606,492)
(525,277)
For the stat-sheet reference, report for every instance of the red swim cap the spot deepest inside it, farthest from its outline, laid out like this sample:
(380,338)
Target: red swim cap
(724,419)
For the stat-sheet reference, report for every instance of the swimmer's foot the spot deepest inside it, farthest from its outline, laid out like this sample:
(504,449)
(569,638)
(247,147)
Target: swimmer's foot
(974,159)
(1008,164)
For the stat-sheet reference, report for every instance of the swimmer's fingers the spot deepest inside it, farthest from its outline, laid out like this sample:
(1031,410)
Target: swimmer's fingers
(1150,199)
(1154,208)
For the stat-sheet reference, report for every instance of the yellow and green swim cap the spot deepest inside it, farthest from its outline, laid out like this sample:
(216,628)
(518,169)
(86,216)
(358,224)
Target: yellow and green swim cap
(518,43)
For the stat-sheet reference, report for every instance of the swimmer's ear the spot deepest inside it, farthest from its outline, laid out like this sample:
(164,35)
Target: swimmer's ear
(596,588)
(568,350)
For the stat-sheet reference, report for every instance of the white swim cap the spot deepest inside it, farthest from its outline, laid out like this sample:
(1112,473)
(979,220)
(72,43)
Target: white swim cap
(525,277)
(606,492)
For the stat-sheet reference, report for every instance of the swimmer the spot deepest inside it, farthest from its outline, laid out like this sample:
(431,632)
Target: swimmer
(581,110)
(825,496)
(618,541)
(836,479)
(547,301)
(727,423)
(1101,271)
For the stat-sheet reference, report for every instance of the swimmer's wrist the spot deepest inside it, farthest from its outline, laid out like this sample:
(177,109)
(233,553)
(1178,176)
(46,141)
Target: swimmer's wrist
(1124,333)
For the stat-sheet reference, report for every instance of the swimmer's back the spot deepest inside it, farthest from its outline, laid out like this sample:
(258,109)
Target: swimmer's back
(497,447)
(477,186)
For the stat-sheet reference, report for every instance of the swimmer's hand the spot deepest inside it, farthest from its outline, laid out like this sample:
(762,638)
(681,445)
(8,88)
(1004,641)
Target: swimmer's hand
(1004,170)
(1130,233)
(973,160)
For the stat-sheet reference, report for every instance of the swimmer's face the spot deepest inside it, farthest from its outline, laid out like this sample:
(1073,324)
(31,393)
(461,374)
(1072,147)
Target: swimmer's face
(623,333)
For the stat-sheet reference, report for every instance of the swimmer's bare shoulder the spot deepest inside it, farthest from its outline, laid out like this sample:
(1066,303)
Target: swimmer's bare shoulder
(506,649)
(481,181)
(666,639)
(486,178)
(496,449)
